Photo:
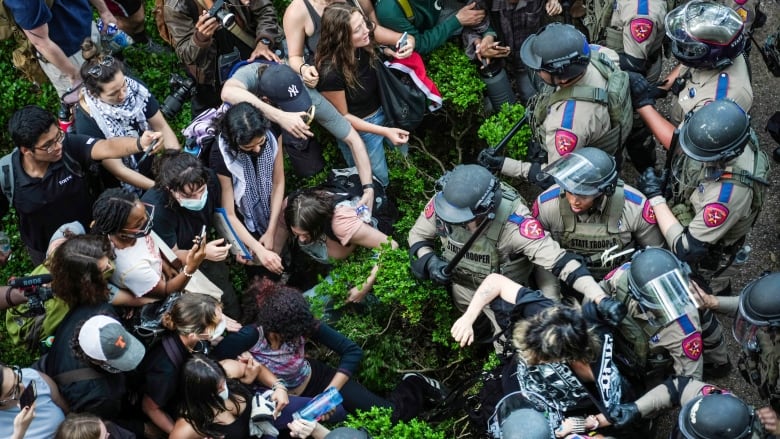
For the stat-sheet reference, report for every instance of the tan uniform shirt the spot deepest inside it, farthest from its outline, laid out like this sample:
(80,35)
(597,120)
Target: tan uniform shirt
(658,398)
(572,124)
(717,207)
(636,223)
(680,338)
(522,236)
(703,86)
(642,22)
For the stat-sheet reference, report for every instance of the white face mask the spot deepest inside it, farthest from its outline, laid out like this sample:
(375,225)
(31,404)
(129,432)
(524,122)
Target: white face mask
(219,330)
(224,394)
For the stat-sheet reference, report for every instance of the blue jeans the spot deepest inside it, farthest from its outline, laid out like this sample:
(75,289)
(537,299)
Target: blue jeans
(374,147)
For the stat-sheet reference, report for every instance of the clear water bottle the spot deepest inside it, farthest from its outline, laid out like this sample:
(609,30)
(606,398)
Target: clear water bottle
(117,38)
(364,213)
(742,255)
(100,25)
(5,243)
(321,404)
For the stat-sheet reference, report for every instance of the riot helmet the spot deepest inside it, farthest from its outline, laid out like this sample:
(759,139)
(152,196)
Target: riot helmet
(660,283)
(705,34)
(717,415)
(524,415)
(466,192)
(586,172)
(718,131)
(759,307)
(558,49)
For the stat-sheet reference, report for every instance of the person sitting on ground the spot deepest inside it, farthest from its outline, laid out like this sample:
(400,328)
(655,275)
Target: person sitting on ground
(120,216)
(194,322)
(37,421)
(346,59)
(114,104)
(327,226)
(184,198)
(249,164)
(285,323)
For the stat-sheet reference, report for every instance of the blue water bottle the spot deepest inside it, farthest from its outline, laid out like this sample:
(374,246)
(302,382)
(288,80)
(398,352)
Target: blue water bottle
(321,404)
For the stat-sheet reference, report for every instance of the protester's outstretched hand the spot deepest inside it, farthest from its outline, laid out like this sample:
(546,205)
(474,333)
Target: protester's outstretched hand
(463,331)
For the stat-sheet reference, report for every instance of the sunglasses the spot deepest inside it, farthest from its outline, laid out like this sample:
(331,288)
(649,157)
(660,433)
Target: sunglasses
(14,394)
(97,70)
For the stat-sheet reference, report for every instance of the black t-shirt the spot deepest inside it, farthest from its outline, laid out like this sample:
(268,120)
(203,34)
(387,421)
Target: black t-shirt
(161,374)
(363,100)
(177,225)
(85,124)
(62,195)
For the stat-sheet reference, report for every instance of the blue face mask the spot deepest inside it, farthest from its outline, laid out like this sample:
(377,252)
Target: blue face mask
(195,205)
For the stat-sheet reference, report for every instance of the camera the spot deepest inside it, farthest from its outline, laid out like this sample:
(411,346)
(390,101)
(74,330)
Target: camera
(33,288)
(219,11)
(182,89)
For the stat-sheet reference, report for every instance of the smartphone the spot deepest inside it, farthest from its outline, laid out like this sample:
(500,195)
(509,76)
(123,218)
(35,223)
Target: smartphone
(29,395)
(203,231)
(402,41)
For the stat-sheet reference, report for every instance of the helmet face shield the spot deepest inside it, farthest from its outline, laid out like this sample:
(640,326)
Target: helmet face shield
(745,332)
(703,33)
(664,298)
(578,175)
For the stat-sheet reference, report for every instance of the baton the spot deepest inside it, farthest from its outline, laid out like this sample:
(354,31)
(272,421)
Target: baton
(511,133)
(458,256)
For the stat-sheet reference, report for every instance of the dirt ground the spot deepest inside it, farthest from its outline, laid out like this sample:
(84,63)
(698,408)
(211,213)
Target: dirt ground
(764,237)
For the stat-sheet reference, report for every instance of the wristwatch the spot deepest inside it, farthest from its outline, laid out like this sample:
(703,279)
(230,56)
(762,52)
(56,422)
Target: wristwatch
(265,41)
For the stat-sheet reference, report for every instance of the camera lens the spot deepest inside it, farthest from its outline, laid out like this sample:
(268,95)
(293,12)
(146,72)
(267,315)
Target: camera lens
(226,18)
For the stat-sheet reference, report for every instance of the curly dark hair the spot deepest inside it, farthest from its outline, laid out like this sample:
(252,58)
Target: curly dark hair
(557,334)
(279,309)
(311,210)
(201,378)
(28,124)
(77,279)
(111,210)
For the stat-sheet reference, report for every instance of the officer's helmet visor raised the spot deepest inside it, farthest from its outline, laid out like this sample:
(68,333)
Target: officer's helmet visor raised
(702,32)
(468,192)
(580,176)
(664,298)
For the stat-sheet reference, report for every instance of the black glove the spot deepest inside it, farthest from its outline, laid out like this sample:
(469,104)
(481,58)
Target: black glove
(419,265)
(435,268)
(539,178)
(535,153)
(650,183)
(623,414)
(611,310)
(642,92)
(488,158)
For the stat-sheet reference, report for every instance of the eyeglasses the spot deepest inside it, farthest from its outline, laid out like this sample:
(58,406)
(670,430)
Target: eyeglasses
(251,147)
(146,227)
(14,393)
(97,70)
(49,146)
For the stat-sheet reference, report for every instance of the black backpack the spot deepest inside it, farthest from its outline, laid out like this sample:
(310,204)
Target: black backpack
(345,183)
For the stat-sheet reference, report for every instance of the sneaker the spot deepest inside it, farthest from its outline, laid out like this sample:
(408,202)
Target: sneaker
(434,391)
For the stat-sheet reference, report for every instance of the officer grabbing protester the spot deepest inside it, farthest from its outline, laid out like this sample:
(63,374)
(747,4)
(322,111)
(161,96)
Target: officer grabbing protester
(484,227)
(593,213)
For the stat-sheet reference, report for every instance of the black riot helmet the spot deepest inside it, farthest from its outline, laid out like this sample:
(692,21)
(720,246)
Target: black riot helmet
(524,415)
(659,282)
(705,34)
(558,49)
(586,171)
(467,192)
(717,415)
(718,131)
(759,308)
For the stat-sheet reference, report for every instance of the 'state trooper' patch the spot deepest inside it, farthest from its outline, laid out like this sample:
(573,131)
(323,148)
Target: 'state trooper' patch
(648,214)
(565,142)
(531,228)
(714,214)
(641,29)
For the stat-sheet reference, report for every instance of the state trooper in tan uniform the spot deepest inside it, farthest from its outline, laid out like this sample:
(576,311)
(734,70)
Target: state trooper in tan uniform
(707,410)
(657,292)
(708,39)
(718,180)
(593,213)
(472,202)
(571,110)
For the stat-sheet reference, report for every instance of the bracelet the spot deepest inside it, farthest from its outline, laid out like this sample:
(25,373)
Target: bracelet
(279,384)
(138,144)
(184,270)
(368,186)
(300,69)
(8,296)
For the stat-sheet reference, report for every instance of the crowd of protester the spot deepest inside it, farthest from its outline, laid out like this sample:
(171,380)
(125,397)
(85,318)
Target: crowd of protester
(602,313)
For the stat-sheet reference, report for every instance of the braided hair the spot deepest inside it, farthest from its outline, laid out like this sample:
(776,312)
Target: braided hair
(111,211)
